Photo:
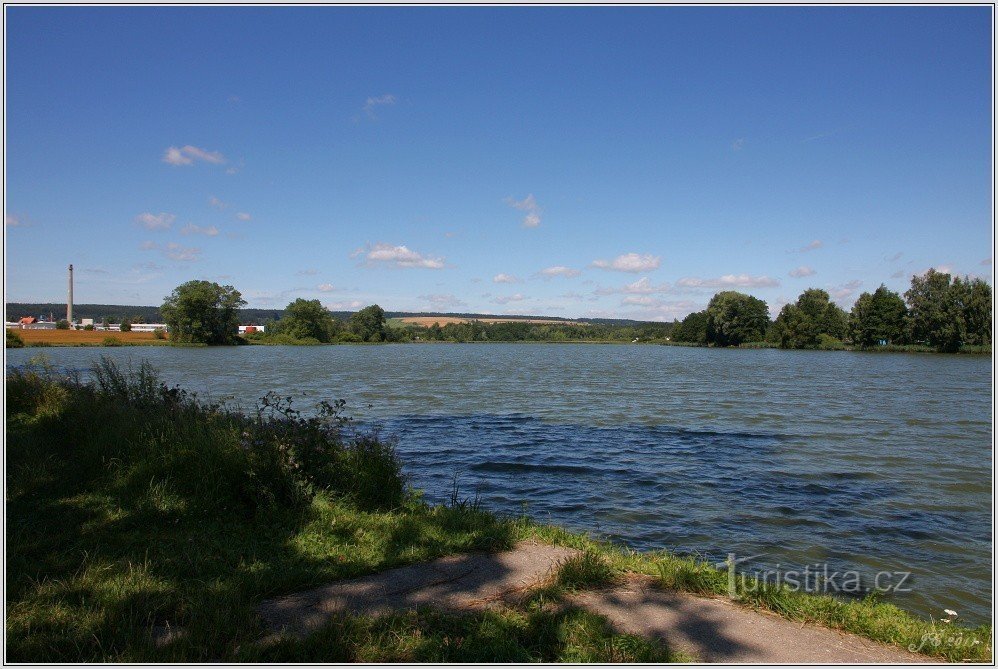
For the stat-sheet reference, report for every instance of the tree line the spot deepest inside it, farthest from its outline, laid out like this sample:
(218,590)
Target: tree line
(938,310)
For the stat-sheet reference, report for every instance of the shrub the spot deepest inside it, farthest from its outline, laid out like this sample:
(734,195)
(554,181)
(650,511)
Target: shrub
(159,333)
(62,324)
(14,340)
(829,343)
(88,327)
(126,325)
(111,341)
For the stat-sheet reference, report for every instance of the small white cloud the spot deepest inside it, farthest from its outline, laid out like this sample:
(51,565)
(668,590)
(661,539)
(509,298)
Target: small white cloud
(559,270)
(441,302)
(325,287)
(816,244)
(630,262)
(505,278)
(802,271)
(187,155)
(944,269)
(528,204)
(738,144)
(843,292)
(151,221)
(231,170)
(344,305)
(642,286)
(379,101)
(243,216)
(397,256)
(175,251)
(506,299)
(216,203)
(729,281)
(643,300)
(12,221)
(191,229)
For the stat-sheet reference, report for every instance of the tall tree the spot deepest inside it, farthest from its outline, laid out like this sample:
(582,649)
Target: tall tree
(693,329)
(305,319)
(369,324)
(202,312)
(801,324)
(733,318)
(878,317)
(936,313)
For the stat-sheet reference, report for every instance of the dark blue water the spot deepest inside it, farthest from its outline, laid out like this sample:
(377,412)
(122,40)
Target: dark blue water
(865,462)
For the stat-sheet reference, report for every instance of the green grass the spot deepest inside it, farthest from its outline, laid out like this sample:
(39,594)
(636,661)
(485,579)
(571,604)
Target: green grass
(132,507)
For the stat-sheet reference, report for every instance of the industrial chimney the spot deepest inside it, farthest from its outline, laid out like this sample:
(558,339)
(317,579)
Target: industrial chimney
(69,298)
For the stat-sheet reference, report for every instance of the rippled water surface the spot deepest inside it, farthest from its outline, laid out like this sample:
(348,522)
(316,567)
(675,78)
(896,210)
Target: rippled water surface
(872,462)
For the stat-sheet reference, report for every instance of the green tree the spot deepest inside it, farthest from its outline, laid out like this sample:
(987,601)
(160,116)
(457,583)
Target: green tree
(126,325)
(693,329)
(62,324)
(878,317)
(733,318)
(801,324)
(203,312)
(936,310)
(977,311)
(369,324)
(307,319)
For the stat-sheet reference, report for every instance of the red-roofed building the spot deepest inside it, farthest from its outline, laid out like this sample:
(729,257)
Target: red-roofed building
(28,320)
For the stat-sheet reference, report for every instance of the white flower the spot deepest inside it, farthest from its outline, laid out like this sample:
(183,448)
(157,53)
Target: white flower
(949,612)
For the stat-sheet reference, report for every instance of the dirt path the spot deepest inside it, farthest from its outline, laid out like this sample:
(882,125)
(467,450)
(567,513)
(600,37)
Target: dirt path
(712,630)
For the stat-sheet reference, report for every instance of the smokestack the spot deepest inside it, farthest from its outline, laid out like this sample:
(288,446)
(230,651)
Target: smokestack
(69,300)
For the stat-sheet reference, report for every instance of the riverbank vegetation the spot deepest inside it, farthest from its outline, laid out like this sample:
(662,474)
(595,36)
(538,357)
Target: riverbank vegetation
(938,313)
(145,525)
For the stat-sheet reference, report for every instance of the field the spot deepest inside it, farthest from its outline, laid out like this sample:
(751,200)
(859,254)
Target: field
(83,337)
(428,321)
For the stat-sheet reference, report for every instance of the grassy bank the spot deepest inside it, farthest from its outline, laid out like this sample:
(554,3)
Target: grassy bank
(135,510)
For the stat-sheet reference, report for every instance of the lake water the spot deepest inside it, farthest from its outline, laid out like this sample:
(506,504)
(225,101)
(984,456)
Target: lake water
(866,462)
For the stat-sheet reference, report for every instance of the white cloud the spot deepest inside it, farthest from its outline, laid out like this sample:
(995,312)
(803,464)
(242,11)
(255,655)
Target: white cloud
(945,269)
(729,281)
(630,262)
(187,155)
(243,216)
(175,251)
(325,287)
(438,302)
(529,205)
(505,278)
(642,286)
(344,305)
(843,292)
(151,221)
(397,256)
(644,300)
(216,203)
(12,221)
(191,229)
(379,101)
(816,244)
(559,270)
(506,299)
(802,271)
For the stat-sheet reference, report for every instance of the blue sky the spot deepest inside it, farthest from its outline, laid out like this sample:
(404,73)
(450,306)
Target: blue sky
(624,162)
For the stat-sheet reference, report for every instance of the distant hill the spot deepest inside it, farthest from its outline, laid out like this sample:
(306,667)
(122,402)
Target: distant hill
(117,312)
